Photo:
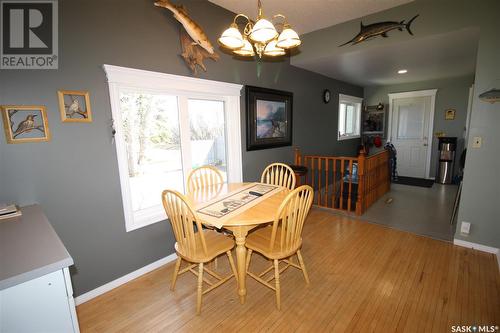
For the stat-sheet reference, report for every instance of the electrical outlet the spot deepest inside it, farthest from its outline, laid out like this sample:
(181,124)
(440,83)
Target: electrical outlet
(477,141)
(465,228)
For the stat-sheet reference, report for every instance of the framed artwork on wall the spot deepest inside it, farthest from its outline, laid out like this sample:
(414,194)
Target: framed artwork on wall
(74,106)
(25,123)
(269,118)
(374,120)
(449,114)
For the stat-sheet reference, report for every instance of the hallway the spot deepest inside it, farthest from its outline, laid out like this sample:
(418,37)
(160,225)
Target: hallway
(419,210)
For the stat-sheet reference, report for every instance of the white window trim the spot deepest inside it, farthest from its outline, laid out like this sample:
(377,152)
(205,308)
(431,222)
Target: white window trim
(127,78)
(355,100)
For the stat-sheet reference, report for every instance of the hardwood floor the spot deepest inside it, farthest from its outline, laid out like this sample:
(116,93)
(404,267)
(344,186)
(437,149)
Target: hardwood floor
(364,277)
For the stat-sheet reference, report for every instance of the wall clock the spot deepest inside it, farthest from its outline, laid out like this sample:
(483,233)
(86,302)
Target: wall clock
(326,96)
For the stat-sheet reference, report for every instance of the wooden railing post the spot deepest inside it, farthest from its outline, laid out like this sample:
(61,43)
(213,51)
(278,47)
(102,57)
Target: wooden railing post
(388,175)
(297,160)
(361,182)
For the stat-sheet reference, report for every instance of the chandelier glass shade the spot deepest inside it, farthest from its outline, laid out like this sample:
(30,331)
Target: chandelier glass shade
(272,50)
(260,37)
(288,39)
(263,31)
(231,38)
(246,50)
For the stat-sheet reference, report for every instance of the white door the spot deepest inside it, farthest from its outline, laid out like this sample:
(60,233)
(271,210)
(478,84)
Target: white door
(409,134)
(469,111)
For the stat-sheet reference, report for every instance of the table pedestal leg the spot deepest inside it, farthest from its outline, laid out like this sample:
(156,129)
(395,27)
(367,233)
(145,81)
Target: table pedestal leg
(241,252)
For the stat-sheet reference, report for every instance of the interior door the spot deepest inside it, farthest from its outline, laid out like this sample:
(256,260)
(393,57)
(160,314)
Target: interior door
(409,134)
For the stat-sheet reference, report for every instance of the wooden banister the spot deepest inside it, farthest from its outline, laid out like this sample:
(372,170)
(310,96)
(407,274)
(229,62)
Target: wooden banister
(346,183)
(361,182)
(297,160)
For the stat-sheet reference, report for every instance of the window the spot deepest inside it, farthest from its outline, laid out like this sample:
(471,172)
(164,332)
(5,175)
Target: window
(166,125)
(349,117)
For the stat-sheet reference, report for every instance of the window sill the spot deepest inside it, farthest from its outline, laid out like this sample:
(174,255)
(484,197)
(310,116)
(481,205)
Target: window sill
(143,219)
(342,138)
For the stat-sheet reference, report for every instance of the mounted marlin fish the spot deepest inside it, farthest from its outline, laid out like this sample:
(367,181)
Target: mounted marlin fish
(192,28)
(380,29)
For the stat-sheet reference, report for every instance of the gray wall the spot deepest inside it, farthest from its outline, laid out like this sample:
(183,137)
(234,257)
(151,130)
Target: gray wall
(480,202)
(75,175)
(452,93)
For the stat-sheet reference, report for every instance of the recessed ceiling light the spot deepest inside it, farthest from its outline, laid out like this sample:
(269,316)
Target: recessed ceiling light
(402,71)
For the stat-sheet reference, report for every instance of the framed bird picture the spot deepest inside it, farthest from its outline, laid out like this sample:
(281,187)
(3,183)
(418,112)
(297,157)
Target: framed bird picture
(25,123)
(74,106)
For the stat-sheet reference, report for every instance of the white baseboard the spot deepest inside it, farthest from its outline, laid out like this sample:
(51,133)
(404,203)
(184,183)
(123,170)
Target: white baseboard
(124,279)
(475,246)
(479,247)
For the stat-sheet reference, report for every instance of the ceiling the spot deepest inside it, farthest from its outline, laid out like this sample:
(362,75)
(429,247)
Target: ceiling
(370,63)
(439,56)
(310,15)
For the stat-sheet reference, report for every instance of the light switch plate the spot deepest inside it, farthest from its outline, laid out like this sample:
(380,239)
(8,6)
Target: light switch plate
(465,228)
(477,141)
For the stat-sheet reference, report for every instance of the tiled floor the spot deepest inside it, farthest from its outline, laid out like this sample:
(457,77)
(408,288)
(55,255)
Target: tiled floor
(420,210)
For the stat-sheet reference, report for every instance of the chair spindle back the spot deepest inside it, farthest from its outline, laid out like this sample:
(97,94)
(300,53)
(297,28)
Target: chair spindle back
(181,216)
(206,175)
(279,174)
(291,217)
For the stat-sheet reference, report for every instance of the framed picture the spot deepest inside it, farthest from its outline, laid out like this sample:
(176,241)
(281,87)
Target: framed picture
(25,123)
(74,106)
(269,118)
(374,120)
(449,114)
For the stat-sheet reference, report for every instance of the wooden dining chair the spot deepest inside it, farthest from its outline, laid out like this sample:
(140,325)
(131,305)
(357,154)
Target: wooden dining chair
(206,175)
(279,174)
(282,240)
(195,246)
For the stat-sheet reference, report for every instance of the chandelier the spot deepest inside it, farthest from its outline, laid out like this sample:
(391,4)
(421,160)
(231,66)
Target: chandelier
(259,37)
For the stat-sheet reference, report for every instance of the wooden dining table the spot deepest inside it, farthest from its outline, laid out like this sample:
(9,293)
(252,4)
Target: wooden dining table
(240,224)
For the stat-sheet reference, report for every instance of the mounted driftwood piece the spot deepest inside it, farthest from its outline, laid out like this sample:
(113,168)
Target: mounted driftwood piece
(194,42)
(193,54)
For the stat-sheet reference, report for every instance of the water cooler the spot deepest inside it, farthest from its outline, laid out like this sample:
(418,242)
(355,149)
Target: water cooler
(447,148)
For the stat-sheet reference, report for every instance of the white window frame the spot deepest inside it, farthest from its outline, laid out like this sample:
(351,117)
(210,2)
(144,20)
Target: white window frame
(123,79)
(351,100)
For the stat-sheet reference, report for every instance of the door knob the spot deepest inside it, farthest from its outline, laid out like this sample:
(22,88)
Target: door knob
(425,144)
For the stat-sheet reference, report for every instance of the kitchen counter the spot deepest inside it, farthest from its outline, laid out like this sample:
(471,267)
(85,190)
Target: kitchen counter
(29,248)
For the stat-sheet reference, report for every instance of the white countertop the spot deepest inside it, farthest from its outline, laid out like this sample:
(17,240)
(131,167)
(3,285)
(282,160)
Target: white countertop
(29,248)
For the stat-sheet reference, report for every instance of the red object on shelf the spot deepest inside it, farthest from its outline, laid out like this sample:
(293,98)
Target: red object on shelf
(377,141)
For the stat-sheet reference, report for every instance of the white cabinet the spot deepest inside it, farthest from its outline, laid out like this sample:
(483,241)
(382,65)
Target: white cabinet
(44,304)
(35,287)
